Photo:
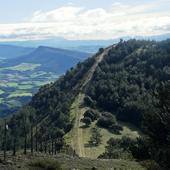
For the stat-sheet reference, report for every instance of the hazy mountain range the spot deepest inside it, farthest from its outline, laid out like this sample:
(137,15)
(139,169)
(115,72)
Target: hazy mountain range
(12,51)
(90,46)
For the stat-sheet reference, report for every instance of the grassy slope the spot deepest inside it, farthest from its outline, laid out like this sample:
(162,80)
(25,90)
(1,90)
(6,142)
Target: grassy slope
(22,162)
(94,152)
(78,137)
(75,136)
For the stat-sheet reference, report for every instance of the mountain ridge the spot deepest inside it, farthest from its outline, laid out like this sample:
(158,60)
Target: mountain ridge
(83,110)
(12,51)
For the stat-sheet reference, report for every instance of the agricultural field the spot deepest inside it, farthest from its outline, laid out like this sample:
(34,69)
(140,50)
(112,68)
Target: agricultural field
(18,84)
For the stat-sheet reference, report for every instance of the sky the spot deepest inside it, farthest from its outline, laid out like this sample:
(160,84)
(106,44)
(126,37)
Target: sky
(82,19)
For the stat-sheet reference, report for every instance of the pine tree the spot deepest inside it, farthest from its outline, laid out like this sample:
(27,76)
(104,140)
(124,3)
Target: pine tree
(95,138)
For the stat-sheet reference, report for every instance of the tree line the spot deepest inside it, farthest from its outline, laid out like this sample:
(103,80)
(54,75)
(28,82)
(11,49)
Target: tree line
(41,124)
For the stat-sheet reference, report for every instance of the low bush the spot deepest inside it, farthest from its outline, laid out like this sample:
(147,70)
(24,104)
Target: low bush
(151,165)
(93,115)
(107,120)
(44,164)
(117,154)
(87,121)
(116,129)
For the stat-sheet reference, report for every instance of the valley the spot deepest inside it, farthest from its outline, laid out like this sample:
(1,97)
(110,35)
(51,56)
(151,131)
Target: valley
(19,83)
(21,77)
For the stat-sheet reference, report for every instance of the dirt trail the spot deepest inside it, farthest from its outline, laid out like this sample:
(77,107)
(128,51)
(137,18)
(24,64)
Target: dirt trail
(76,134)
(90,73)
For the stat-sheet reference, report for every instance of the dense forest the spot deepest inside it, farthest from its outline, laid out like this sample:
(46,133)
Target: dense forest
(46,117)
(132,83)
(127,79)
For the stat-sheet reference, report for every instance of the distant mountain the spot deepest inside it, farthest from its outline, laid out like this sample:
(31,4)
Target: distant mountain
(90,46)
(22,76)
(11,51)
(50,59)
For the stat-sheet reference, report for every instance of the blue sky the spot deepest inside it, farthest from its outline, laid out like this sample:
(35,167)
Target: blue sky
(82,19)
(18,10)
(24,8)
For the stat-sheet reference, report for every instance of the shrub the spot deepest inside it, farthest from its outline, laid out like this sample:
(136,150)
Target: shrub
(140,149)
(119,148)
(101,50)
(126,143)
(86,120)
(69,126)
(108,115)
(151,165)
(117,154)
(93,115)
(116,129)
(107,120)
(95,138)
(45,164)
(162,155)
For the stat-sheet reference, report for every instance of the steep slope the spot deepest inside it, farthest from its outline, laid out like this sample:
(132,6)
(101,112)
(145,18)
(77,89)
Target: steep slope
(119,83)
(127,78)
(119,80)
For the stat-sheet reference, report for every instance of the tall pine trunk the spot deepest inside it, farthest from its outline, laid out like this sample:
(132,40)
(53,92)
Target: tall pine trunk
(45,148)
(52,146)
(14,146)
(32,140)
(5,140)
(36,138)
(25,140)
(25,144)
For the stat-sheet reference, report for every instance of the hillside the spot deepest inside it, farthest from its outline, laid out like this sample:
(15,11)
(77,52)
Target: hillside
(125,81)
(12,51)
(22,76)
(81,113)
(66,162)
(127,75)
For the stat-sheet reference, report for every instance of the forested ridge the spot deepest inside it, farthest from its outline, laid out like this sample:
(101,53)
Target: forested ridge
(127,79)
(131,82)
